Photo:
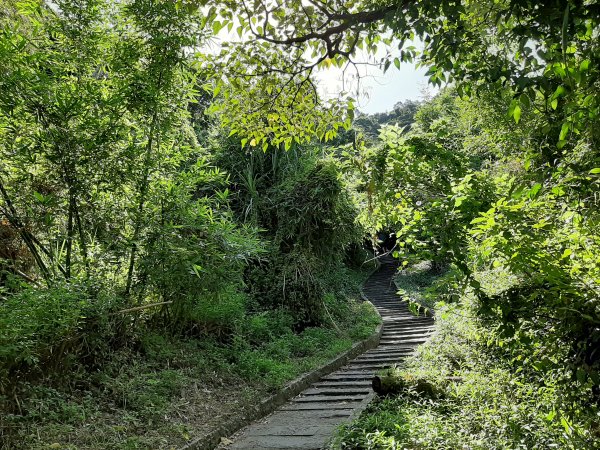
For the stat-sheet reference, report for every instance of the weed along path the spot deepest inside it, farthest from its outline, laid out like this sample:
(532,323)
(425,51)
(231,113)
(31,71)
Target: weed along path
(309,420)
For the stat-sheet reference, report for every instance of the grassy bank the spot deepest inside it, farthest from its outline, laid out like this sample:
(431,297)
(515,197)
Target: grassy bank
(164,390)
(462,389)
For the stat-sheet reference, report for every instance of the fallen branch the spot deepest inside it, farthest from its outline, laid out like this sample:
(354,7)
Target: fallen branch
(139,308)
(27,277)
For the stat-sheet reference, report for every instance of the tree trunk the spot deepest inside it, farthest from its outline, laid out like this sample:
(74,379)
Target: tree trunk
(70,233)
(82,242)
(29,240)
(142,201)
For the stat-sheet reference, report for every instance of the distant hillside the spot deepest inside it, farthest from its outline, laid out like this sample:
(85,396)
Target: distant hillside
(402,115)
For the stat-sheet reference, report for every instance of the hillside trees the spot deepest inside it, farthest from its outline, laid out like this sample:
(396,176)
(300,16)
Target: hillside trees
(473,197)
(100,176)
(542,59)
(118,220)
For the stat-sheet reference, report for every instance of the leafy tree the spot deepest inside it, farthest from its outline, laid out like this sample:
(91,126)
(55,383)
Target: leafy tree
(475,43)
(303,208)
(428,187)
(402,115)
(102,177)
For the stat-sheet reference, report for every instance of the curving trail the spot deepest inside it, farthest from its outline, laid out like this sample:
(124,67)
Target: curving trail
(309,420)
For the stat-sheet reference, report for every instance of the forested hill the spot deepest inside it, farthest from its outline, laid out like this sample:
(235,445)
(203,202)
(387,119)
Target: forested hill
(402,115)
(185,223)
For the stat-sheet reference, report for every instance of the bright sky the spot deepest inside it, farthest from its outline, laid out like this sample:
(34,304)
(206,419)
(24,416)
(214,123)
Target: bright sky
(378,91)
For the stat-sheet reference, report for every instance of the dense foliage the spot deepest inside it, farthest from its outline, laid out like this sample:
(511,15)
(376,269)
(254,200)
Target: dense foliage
(466,188)
(135,227)
(152,185)
(299,201)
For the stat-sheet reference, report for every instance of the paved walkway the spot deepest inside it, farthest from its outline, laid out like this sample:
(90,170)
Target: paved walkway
(308,421)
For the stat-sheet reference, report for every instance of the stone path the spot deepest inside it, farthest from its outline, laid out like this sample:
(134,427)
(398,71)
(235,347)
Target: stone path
(309,420)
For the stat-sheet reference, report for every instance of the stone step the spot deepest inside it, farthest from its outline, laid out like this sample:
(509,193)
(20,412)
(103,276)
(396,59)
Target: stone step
(384,352)
(328,398)
(392,341)
(353,373)
(376,367)
(399,335)
(400,339)
(422,331)
(405,332)
(337,391)
(348,376)
(412,321)
(342,384)
(382,359)
(319,406)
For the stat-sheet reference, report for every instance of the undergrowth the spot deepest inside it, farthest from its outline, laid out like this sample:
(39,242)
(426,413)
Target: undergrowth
(167,389)
(484,397)
(413,284)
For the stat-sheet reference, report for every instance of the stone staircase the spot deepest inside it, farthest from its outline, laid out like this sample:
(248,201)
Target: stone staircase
(308,421)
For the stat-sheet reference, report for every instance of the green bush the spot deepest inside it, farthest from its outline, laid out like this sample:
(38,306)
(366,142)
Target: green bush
(308,220)
(315,214)
(41,328)
(486,400)
(266,326)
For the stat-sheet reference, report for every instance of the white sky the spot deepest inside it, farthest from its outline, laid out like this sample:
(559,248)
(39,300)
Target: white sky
(378,91)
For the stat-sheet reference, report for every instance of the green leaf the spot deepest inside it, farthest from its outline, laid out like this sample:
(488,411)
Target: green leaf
(474,283)
(559,92)
(39,197)
(595,171)
(517,113)
(564,131)
(535,189)
(478,220)
(458,201)
(585,65)
(565,425)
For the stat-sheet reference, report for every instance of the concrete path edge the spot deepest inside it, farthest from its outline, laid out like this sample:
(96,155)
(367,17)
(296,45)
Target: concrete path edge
(290,390)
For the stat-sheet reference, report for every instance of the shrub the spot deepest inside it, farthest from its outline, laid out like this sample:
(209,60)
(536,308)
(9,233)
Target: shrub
(50,327)
(484,399)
